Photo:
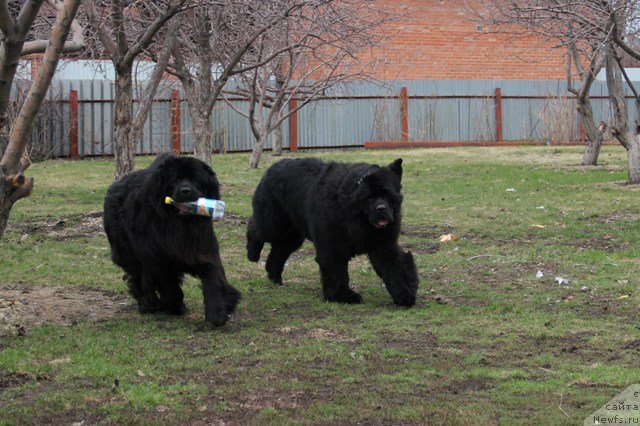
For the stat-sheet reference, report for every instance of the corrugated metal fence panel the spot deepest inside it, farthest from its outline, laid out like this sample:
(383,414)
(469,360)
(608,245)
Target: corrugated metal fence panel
(238,130)
(438,110)
(329,123)
(186,131)
(384,119)
(58,134)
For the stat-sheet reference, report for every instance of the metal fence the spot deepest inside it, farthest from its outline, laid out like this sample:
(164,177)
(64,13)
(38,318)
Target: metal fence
(467,111)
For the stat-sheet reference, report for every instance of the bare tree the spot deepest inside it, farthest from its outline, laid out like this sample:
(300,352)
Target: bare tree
(554,22)
(587,75)
(213,47)
(611,24)
(125,30)
(624,16)
(25,31)
(306,58)
(16,21)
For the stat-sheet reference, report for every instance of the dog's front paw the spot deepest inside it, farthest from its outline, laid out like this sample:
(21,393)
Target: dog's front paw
(276,280)
(175,308)
(216,314)
(405,300)
(347,296)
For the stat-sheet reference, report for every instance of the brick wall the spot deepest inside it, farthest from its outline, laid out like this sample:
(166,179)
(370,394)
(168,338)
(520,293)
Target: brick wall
(437,40)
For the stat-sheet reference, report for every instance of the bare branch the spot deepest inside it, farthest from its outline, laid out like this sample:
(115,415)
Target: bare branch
(7,24)
(151,31)
(158,71)
(27,15)
(100,28)
(12,159)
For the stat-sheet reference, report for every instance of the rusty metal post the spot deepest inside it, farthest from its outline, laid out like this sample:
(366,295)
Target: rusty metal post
(498,115)
(176,144)
(73,131)
(404,112)
(293,126)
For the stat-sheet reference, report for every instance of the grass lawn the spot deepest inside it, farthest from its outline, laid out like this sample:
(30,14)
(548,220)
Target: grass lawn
(487,342)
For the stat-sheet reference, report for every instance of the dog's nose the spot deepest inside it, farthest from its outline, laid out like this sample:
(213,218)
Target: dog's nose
(185,190)
(381,208)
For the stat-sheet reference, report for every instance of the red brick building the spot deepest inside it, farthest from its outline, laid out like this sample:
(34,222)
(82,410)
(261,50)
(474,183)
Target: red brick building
(438,40)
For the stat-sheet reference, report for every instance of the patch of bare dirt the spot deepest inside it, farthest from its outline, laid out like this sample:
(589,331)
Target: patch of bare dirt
(427,232)
(605,167)
(315,333)
(619,185)
(468,385)
(302,253)
(27,307)
(421,342)
(13,379)
(633,344)
(233,219)
(243,409)
(421,248)
(606,243)
(614,217)
(88,225)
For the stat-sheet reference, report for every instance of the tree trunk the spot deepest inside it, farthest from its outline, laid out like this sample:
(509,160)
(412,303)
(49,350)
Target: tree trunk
(257,152)
(281,81)
(9,60)
(633,150)
(633,159)
(592,131)
(13,184)
(222,146)
(202,133)
(615,86)
(277,141)
(124,144)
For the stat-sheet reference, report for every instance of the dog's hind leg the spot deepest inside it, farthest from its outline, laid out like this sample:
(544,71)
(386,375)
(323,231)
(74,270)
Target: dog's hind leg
(134,284)
(148,300)
(254,241)
(335,280)
(171,295)
(280,252)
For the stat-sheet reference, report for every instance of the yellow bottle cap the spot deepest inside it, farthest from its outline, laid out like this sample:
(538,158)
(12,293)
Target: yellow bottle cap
(167,200)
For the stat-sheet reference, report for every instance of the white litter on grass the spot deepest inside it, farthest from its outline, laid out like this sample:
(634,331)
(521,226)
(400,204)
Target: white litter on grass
(540,274)
(511,190)
(584,288)
(562,281)
(540,207)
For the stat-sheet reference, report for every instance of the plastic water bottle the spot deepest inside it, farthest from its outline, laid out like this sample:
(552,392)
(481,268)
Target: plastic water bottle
(203,207)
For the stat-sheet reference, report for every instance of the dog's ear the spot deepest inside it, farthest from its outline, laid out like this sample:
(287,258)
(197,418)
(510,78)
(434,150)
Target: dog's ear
(161,159)
(396,167)
(213,186)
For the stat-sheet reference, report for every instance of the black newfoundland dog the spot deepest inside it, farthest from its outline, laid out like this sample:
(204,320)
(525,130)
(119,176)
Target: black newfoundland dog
(344,209)
(156,245)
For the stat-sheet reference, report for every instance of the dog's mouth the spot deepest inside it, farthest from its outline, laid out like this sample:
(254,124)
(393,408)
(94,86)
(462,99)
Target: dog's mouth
(381,223)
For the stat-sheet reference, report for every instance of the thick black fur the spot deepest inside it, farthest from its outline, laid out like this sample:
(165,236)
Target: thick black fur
(156,246)
(345,209)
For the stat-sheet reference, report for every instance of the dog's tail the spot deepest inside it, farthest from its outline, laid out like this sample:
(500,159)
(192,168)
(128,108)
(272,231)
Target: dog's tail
(254,241)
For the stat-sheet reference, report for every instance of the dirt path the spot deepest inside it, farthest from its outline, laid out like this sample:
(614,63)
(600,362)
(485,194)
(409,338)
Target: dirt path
(24,307)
